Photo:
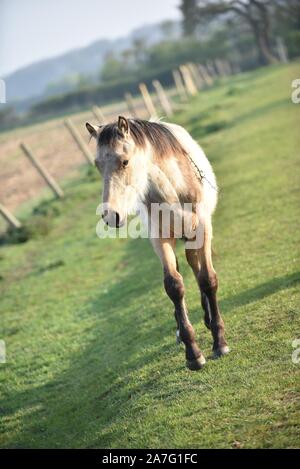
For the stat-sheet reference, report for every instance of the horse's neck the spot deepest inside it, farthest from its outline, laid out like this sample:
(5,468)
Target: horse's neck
(160,187)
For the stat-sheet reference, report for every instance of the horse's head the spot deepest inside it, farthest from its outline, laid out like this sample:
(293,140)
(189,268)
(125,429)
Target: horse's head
(123,171)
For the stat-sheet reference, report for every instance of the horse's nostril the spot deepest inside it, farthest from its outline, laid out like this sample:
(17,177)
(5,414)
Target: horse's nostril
(111,218)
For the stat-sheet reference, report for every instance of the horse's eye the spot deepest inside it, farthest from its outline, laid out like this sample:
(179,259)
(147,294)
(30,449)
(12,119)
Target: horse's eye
(125,162)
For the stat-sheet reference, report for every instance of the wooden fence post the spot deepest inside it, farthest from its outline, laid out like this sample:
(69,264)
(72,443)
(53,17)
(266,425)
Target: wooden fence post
(42,171)
(130,105)
(98,114)
(282,50)
(220,68)
(209,77)
(198,80)
(188,81)
(206,77)
(162,96)
(9,217)
(79,140)
(179,85)
(147,100)
(211,69)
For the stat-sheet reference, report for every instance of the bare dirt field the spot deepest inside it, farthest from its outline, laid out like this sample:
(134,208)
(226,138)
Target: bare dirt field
(54,147)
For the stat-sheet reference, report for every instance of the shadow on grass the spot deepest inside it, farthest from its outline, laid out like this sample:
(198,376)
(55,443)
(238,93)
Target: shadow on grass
(84,405)
(258,111)
(259,292)
(71,409)
(208,123)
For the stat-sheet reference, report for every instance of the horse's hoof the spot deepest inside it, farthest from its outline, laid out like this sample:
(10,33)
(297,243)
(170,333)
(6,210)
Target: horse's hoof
(196,364)
(178,338)
(207,324)
(219,352)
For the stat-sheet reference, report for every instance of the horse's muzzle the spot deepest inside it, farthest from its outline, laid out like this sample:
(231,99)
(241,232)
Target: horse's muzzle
(112,219)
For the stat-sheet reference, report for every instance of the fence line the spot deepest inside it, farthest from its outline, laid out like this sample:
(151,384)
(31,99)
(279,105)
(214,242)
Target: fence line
(188,80)
(220,67)
(130,105)
(147,100)
(79,140)
(211,69)
(9,217)
(162,96)
(98,114)
(50,181)
(181,91)
(207,79)
(196,75)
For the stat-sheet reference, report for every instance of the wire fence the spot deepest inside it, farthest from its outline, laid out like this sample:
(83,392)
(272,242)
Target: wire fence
(46,153)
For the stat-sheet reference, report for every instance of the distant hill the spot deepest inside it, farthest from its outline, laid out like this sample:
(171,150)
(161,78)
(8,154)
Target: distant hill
(30,83)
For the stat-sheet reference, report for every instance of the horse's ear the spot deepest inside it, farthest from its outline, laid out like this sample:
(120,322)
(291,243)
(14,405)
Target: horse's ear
(123,125)
(92,129)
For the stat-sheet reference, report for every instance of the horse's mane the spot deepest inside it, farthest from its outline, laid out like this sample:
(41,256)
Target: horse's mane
(160,137)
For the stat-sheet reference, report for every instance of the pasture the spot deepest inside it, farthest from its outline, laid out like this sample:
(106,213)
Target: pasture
(90,333)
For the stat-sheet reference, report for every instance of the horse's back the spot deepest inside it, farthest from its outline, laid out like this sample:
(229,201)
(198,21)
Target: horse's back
(199,158)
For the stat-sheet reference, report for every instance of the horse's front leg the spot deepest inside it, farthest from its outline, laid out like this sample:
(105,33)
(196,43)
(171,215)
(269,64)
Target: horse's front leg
(174,287)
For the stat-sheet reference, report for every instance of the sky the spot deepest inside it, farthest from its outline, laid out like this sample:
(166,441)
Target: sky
(31,30)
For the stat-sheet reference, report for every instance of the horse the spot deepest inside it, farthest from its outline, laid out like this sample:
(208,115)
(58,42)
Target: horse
(154,162)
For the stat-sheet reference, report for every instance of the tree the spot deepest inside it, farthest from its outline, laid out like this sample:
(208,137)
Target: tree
(189,10)
(8,117)
(168,30)
(82,81)
(256,13)
(288,11)
(112,69)
(139,49)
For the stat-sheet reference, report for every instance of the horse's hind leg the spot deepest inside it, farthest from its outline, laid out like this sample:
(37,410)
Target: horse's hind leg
(192,256)
(174,287)
(208,282)
(178,338)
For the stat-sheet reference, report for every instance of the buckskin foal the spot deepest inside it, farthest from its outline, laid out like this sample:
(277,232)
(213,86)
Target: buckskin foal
(145,163)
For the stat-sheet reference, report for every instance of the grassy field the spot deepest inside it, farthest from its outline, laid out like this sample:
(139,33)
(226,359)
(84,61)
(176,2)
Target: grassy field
(90,333)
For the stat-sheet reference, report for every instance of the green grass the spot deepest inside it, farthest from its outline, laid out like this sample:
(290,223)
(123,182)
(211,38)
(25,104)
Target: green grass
(89,331)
